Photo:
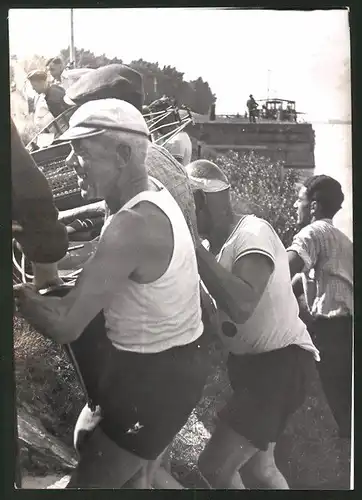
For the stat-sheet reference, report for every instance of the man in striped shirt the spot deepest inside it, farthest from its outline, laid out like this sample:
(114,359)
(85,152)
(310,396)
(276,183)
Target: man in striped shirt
(324,250)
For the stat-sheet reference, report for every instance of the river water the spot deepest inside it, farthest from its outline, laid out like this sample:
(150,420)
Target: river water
(333,156)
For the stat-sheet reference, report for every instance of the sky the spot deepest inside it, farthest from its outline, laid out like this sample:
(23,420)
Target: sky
(305,56)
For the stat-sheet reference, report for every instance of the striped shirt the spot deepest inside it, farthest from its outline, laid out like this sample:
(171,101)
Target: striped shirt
(275,322)
(328,254)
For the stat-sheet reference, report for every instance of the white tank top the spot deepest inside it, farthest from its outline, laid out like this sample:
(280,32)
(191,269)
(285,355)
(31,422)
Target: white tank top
(154,317)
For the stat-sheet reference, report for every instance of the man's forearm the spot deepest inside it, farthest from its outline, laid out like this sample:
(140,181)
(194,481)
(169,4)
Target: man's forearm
(296,263)
(47,315)
(92,210)
(232,295)
(297,284)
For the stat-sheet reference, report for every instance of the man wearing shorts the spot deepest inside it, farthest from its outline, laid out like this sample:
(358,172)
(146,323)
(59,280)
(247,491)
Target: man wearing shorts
(144,277)
(321,247)
(270,351)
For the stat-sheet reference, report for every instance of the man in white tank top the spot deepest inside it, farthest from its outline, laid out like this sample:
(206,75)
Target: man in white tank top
(270,350)
(144,278)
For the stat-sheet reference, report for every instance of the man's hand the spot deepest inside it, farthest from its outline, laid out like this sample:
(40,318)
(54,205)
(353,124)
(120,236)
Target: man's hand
(341,311)
(23,289)
(46,275)
(16,227)
(237,293)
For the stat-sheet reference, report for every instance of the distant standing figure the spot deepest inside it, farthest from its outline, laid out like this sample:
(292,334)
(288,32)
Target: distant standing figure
(54,94)
(252,106)
(213,112)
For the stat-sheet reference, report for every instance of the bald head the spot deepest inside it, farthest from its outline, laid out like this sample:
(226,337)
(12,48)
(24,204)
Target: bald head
(207,176)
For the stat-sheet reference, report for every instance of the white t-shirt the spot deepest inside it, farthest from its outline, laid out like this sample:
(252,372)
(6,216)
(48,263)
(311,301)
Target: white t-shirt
(275,322)
(180,147)
(42,115)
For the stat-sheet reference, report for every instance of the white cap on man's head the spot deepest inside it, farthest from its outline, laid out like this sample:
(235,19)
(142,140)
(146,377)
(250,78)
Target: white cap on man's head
(205,175)
(96,117)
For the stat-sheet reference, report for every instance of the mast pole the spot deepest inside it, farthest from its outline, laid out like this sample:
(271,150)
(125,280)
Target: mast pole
(268,89)
(72,49)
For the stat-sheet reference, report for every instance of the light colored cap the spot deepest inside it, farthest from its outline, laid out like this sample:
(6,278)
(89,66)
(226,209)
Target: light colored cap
(95,117)
(37,74)
(205,175)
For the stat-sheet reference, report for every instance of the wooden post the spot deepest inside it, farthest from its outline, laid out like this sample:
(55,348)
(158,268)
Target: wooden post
(72,49)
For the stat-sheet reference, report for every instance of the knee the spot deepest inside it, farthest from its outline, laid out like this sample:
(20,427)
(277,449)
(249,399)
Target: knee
(264,471)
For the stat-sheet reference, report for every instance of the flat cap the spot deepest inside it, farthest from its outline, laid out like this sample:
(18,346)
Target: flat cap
(95,117)
(114,81)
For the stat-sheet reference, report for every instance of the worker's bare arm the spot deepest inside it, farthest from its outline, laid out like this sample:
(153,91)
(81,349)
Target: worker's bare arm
(120,250)
(237,293)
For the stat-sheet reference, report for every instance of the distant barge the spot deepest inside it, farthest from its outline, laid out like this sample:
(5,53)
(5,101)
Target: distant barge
(276,134)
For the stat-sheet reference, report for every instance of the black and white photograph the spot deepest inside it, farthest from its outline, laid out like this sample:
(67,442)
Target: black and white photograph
(182,248)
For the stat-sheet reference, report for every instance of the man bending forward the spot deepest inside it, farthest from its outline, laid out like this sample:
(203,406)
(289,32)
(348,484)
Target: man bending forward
(144,277)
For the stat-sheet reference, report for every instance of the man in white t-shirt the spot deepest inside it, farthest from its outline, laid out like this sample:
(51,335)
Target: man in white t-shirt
(270,351)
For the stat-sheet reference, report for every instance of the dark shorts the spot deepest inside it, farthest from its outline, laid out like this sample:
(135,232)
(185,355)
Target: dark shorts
(268,388)
(147,398)
(333,339)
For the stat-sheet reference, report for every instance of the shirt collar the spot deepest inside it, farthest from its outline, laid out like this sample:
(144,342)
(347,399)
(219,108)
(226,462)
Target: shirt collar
(328,220)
